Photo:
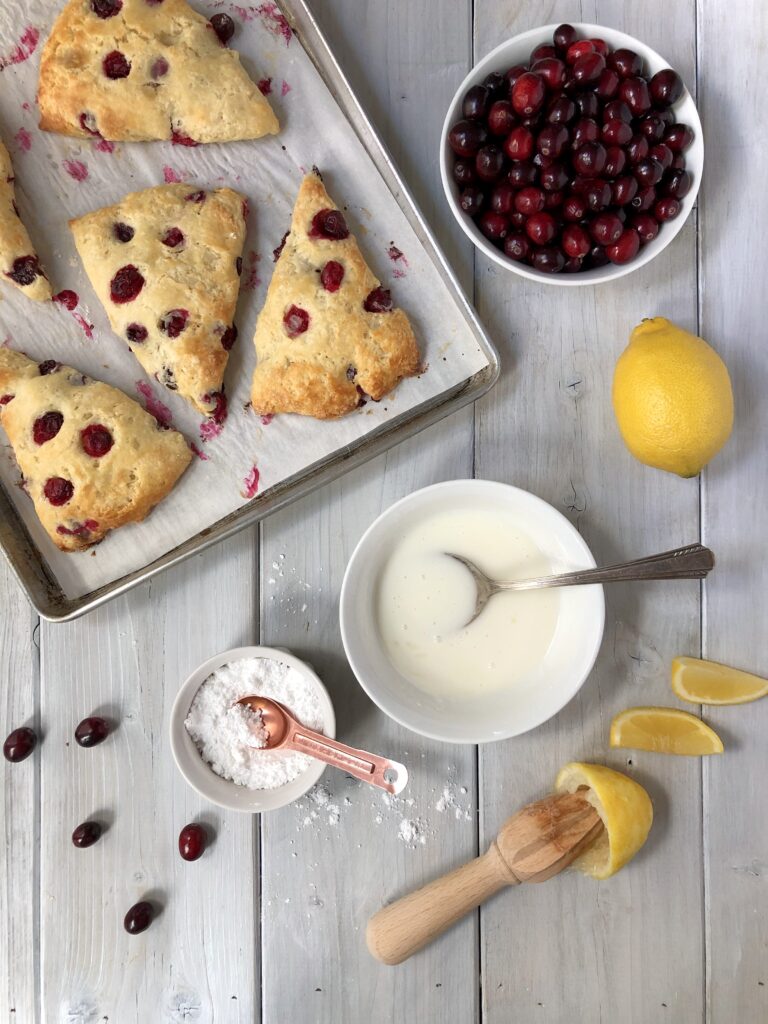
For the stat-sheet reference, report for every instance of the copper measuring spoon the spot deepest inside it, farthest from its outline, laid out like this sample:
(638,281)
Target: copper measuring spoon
(284,732)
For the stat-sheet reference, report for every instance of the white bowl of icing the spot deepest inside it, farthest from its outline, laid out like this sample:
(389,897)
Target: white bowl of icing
(404,606)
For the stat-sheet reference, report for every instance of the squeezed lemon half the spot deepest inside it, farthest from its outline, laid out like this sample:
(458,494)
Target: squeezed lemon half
(624,807)
(707,682)
(664,731)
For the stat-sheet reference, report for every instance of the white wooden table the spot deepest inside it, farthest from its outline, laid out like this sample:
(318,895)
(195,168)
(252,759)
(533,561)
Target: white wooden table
(269,924)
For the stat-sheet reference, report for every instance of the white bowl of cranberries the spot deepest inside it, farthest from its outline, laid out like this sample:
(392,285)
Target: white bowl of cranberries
(572,154)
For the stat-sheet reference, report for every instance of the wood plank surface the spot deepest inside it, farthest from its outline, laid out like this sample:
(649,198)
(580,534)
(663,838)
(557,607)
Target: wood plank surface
(576,949)
(733,280)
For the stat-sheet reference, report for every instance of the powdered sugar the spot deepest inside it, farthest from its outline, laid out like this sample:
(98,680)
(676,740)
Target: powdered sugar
(229,737)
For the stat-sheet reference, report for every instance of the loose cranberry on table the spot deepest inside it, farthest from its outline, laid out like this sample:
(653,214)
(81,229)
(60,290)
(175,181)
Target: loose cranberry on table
(19,744)
(86,835)
(573,158)
(92,731)
(193,840)
(139,917)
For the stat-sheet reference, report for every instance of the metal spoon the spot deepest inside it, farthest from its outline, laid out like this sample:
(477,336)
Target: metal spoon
(689,563)
(284,732)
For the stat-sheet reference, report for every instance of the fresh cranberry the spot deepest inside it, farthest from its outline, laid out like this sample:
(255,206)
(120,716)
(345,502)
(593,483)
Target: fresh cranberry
(574,208)
(666,87)
(139,917)
(634,92)
(123,232)
(512,74)
(597,257)
(564,36)
(575,241)
(578,49)
(601,46)
(173,238)
(607,84)
(58,490)
(587,103)
(615,161)
(489,163)
(597,195)
(25,270)
(561,110)
(86,835)
(228,338)
(223,26)
(502,198)
(160,68)
(495,83)
(605,229)
(623,190)
(295,321)
(92,731)
(637,149)
(475,103)
(516,246)
(493,225)
(666,209)
(573,265)
(173,322)
(662,153)
(501,118)
(96,440)
(519,144)
(465,138)
(625,248)
(329,224)
(548,259)
(521,173)
(126,284)
(644,199)
(589,159)
(136,332)
(626,63)
(617,110)
(585,130)
(552,140)
(331,276)
(541,228)
(676,184)
(46,427)
(542,52)
(48,366)
(551,70)
(553,200)
(678,137)
(648,172)
(616,133)
(192,841)
(529,200)
(116,65)
(528,94)
(106,8)
(553,177)
(464,172)
(197,197)
(646,226)
(588,68)
(19,744)
(471,201)
(378,301)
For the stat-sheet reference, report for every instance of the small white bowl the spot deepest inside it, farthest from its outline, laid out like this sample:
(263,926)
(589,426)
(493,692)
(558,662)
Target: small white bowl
(568,661)
(516,51)
(202,778)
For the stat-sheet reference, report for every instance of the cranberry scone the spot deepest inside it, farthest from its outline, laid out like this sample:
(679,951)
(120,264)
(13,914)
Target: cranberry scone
(91,458)
(165,263)
(138,70)
(19,263)
(328,331)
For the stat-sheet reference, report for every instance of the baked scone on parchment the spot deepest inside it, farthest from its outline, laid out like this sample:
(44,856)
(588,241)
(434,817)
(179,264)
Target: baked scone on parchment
(138,70)
(328,330)
(91,458)
(165,263)
(19,263)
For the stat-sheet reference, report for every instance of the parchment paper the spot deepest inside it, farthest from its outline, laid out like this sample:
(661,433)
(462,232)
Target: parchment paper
(59,178)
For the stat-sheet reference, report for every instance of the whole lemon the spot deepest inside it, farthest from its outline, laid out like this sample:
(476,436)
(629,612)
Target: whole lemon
(672,398)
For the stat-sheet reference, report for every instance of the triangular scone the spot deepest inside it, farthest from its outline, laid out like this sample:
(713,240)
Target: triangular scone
(18,260)
(137,70)
(328,331)
(91,458)
(165,262)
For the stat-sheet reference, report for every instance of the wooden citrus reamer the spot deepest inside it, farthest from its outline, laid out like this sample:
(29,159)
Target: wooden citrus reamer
(533,845)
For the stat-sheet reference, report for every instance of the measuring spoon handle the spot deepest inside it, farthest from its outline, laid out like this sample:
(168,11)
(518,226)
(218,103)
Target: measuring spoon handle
(378,771)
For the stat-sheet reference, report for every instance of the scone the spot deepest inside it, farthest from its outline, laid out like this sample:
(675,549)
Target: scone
(137,70)
(91,458)
(18,260)
(165,263)
(328,331)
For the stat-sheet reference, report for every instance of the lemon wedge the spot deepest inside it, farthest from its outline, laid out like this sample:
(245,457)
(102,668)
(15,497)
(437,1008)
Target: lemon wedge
(665,731)
(624,807)
(706,682)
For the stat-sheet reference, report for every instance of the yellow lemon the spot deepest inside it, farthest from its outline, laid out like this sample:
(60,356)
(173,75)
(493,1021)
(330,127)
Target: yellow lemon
(706,682)
(664,731)
(672,398)
(625,809)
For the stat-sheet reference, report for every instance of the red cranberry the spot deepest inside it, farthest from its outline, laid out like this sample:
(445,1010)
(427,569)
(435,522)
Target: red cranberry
(573,265)
(601,46)
(329,224)
(126,284)
(662,153)
(138,918)
(193,840)
(512,75)
(676,184)
(295,321)
(598,195)
(196,197)
(666,209)
(48,366)
(123,232)
(597,257)
(463,172)
(19,744)
(589,159)
(86,835)
(637,149)
(58,490)
(666,87)
(465,138)
(616,133)
(578,49)
(136,332)
(160,68)
(553,177)
(585,130)
(495,83)
(678,162)
(551,70)
(493,225)
(173,322)
(25,270)
(626,63)
(588,68)
(92,731)
(223,26)
(96,440)
(529,200)
(46,427)
(561,110)
(575,241)
(605,229)
(519,144)
(228,338)
(173,238)
(528,94)
(587,104)
(501,118)
(548,259)
(625,248)
(553,200)
(542,52)
(607,84)
(502,198)
(624,190)
(564,36)
(648,172)
(644,199)
(541,228)
(552,140)
(116,65)
(634,92)
(574,208)
(516,246)
(331,276)
(617,110)
(67,298)
(378,301)
(678,137)
(106,8)
(5,399)
(471,201)
(646,227)
(615,161)
(521,173)
(489,163)
(475,103)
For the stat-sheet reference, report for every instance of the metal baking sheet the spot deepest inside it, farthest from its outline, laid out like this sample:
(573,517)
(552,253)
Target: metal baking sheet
(53,594)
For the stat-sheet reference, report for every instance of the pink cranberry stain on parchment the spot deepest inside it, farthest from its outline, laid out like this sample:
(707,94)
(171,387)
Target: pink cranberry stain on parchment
(170,176)
(267,418)
(76,169)
(272,17)
(398,258)
(154,406)
(251,483)
(103,146)
(199,452)
(24,49)
(23,140)
(210,430)
(252,279)
(284,88)
(69,300)
(87,328)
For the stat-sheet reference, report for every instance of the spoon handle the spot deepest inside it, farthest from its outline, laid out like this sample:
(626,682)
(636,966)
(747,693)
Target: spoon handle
(378,771)
(691,562)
